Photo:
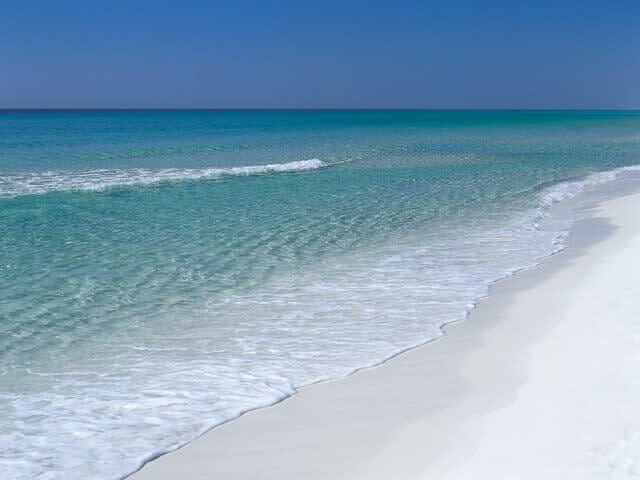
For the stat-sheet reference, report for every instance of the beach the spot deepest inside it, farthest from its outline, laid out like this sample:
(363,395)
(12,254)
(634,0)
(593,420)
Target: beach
(539,382)
(319,241)
(168,277)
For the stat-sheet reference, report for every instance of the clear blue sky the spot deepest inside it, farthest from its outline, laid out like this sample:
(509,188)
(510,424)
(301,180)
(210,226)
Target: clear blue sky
(323,53)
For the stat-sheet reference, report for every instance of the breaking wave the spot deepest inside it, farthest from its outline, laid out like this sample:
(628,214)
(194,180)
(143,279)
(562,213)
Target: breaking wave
(36,183)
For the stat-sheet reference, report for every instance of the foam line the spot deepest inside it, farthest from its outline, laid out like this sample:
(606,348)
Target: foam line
(31,183)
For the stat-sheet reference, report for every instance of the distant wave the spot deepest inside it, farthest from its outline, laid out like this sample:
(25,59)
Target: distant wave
(34,183)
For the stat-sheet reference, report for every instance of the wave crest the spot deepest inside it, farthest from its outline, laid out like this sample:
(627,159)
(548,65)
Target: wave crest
(36,183)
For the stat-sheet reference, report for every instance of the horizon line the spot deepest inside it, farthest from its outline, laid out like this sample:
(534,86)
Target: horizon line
(305,109)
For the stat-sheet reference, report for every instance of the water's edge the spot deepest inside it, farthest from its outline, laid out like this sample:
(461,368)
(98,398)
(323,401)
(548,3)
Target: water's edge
(601,187)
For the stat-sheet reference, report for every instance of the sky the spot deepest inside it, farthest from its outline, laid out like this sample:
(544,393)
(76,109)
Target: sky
(320,54)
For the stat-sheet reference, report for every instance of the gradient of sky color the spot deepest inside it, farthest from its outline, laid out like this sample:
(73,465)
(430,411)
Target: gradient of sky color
(321,54)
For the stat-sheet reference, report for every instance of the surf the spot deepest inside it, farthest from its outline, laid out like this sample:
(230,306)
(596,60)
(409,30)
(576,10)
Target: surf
(38,183)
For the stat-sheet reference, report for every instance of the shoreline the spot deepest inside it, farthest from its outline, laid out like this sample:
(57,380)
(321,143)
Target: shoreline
(332,429)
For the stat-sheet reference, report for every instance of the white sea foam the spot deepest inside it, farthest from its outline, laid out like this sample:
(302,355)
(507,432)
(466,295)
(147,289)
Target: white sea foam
(567,190)
(34,183)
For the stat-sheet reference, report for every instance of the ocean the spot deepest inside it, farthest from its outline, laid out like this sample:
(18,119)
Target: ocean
(162,272)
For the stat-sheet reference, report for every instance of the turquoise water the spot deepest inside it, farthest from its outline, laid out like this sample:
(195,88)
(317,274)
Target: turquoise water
(162,272)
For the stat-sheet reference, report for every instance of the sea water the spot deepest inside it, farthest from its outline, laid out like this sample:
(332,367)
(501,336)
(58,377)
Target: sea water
(163,272)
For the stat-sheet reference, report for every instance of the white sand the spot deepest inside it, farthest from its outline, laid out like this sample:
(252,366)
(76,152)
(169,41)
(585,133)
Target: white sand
(541,382)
